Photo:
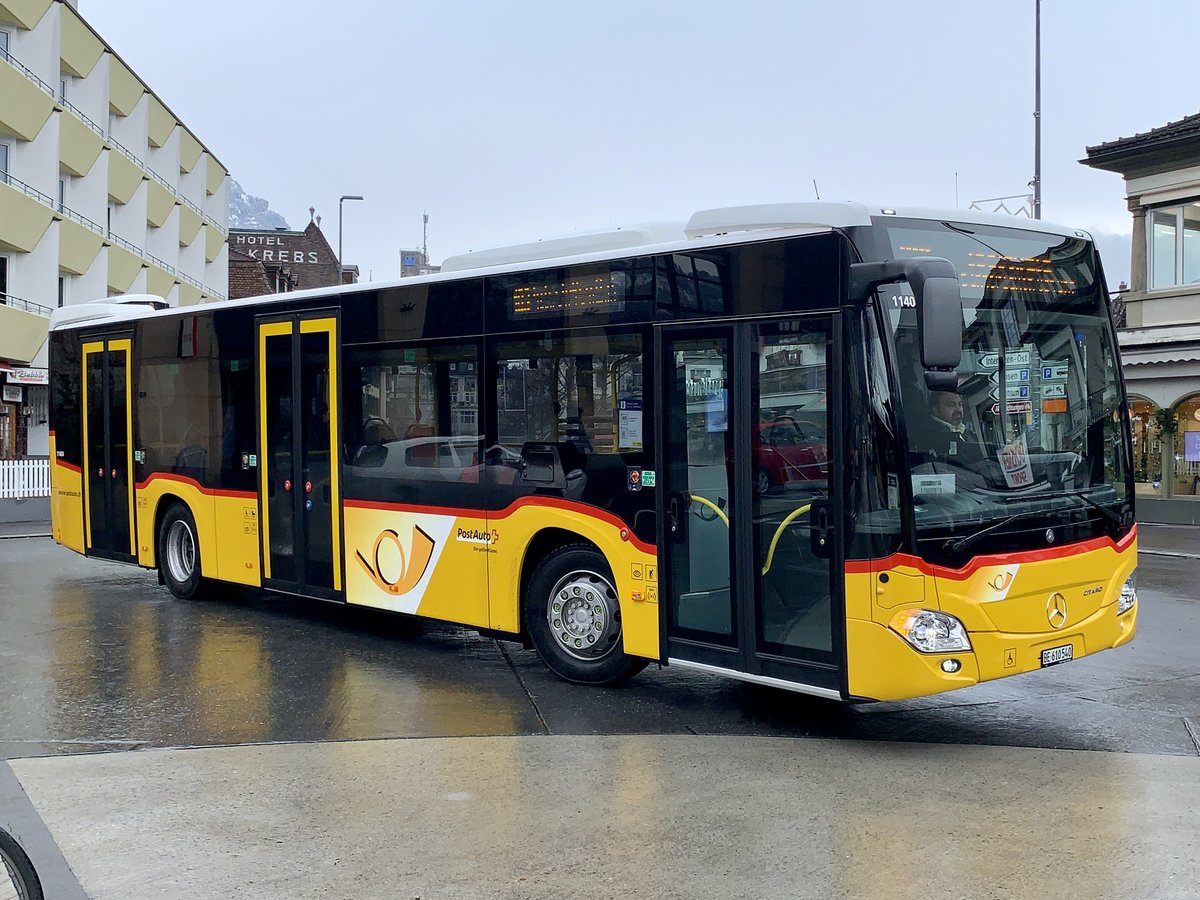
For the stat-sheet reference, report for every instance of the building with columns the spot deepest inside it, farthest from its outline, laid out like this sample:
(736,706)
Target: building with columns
(103,191)
(1160,343)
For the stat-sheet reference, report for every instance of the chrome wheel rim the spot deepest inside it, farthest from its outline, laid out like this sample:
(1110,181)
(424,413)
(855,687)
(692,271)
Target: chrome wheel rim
(762,482)
(181,551)
(584,615)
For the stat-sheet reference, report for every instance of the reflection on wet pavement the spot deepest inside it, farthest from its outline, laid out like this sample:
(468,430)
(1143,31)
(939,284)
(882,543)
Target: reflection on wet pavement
(100,657)
(96,656)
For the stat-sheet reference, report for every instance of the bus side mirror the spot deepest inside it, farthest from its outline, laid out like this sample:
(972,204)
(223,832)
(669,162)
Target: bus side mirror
(939,310)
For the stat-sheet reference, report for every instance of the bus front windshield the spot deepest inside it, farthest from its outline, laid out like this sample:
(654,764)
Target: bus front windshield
(1032,448)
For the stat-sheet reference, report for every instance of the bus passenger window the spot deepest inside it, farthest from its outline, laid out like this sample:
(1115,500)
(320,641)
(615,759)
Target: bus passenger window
(412,432)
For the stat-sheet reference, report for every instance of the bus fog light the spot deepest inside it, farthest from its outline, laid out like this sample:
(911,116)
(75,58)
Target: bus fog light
(950,666)
(1128,594)
(930,632)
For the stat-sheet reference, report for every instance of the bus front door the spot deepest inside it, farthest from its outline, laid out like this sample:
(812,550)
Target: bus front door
(299,465)
(107,449)
(749,558)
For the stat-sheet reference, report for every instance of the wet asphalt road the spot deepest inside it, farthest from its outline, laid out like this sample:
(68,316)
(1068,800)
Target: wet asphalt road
(97,657)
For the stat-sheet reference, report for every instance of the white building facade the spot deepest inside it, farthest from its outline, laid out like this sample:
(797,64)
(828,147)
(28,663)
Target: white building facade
(103,191)
(1160,343)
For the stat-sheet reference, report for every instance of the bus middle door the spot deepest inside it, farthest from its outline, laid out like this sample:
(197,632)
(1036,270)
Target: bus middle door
(299,464)
(107,449)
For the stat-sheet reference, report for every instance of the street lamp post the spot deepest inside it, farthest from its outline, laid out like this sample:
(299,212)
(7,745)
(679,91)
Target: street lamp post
(341,200)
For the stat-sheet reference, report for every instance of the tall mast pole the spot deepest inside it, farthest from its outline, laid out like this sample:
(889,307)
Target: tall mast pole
(1037,111)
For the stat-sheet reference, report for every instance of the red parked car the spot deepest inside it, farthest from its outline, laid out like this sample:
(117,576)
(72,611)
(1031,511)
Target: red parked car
(787,450)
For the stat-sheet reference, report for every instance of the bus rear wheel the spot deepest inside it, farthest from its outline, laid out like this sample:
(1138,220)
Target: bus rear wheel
(573,617)
(179,553)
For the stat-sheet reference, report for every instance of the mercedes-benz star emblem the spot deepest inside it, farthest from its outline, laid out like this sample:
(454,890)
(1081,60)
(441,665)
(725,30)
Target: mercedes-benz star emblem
(1056,610)
(1049,535)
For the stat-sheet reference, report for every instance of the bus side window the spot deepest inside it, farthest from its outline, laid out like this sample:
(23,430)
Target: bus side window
(412,433)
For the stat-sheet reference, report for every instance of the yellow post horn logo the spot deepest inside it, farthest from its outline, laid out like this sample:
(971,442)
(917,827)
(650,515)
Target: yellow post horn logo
(411,570)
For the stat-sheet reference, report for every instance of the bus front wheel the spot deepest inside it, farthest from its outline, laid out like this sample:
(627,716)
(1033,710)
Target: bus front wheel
(179,553)
(574,619)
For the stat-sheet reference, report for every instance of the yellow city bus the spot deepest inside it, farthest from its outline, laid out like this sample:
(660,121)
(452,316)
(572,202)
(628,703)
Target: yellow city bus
(861,453)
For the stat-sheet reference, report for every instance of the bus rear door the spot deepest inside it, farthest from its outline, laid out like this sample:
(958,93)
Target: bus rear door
(107,448)
(299,465)
(749,559)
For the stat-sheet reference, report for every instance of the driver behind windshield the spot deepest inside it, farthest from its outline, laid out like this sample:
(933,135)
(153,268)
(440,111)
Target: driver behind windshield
(943,434)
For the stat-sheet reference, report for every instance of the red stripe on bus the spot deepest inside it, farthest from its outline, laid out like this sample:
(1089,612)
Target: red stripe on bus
(896,560)
(492,515)
(69,466)
(192,482)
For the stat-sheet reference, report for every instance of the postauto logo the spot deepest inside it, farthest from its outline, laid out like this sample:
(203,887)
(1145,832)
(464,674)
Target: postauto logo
(412,564)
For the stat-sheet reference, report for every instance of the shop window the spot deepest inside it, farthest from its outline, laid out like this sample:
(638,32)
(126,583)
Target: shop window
(1147,446)
(1187,448)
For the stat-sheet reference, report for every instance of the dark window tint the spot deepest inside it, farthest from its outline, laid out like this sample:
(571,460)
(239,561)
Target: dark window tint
(754,279)
(571,419)
(65,386)
(412,425)
(579,296)
(179,405)
(413,313)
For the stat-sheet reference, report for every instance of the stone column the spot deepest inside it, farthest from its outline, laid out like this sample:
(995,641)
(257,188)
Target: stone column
(1137,254)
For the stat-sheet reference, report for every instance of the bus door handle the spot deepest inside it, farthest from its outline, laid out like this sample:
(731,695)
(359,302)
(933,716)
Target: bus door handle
(821,517)
(676,516)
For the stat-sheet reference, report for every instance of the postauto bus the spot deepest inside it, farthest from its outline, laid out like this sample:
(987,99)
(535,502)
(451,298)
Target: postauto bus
(862,453)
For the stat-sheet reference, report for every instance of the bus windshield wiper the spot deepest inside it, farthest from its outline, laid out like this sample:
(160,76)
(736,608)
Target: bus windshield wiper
(963,543)
(1115,519)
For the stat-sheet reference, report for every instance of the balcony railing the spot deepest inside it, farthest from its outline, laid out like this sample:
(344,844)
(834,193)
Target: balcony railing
(83,117)
(77,217)
(28,73)
(121,242)
(162,264)
(27,305)
(28,190)
(107,234)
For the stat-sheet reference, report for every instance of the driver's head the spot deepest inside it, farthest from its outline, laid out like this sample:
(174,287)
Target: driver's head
(947,407)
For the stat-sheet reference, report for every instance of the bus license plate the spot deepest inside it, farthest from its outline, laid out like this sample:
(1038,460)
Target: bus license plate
(1056,655)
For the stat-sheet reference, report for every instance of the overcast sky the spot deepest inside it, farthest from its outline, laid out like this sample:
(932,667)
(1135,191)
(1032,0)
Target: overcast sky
(518,120)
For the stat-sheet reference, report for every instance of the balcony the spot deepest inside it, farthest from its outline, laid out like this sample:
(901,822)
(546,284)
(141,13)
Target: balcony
(28,101)
(25,214)
(33,100)
(23,328)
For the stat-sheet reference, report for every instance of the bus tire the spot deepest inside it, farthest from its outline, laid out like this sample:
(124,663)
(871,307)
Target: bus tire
(179,553)
(15,863)
(573,617)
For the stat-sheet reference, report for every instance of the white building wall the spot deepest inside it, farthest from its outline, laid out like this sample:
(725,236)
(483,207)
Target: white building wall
(191,184)
(36,162)
(34,276)
(164,160)
(89,195)
(191,258)
(90,94)
(131,131)
(37,50)
(163,242)
(92,285)
(129,219)
(216,273)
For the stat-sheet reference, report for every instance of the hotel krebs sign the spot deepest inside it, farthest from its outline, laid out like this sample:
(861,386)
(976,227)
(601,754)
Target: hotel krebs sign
(273,248)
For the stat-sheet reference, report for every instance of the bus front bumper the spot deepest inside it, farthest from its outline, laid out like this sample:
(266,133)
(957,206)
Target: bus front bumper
(883,666)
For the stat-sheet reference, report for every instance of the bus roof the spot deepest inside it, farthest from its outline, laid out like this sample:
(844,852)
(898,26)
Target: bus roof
(706,228)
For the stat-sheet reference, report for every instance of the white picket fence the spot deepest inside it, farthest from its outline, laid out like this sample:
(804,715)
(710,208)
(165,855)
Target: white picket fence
(21,479)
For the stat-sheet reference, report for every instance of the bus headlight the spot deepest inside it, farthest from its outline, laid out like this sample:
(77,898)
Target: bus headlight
(1128,594)
(929,631)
